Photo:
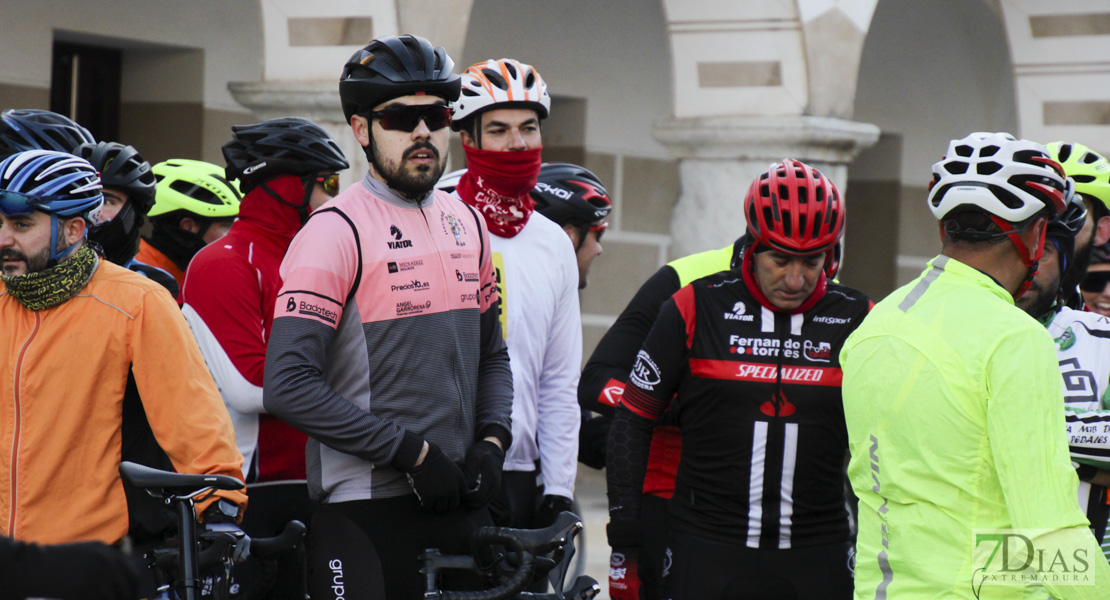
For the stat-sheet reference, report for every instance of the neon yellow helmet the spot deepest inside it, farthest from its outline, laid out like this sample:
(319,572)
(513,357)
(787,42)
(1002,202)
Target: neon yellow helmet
(1089,169)
(195,187)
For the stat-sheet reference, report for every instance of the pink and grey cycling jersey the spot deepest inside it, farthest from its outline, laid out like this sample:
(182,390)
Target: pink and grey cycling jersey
(386,324)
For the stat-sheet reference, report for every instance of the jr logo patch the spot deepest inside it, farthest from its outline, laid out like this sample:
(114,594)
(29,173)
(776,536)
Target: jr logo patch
(645,373)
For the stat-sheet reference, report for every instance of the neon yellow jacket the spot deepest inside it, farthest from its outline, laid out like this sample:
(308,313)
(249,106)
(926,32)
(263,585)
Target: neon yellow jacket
(952,398)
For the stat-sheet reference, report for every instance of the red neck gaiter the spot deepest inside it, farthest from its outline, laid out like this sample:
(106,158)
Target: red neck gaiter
(498,184)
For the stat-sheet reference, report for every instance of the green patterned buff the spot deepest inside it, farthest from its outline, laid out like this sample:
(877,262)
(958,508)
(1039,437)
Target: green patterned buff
(51,287)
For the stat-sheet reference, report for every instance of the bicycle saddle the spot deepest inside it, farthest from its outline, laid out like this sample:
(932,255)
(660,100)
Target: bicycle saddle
(146,478)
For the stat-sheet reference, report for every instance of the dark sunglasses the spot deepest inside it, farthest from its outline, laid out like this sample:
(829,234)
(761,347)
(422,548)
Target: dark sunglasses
(1095,281)
(16,204)
(600,228)
(408,117)
(330,181)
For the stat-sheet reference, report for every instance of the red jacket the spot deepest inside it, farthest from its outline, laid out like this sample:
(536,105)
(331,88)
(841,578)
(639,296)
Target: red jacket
(228,299)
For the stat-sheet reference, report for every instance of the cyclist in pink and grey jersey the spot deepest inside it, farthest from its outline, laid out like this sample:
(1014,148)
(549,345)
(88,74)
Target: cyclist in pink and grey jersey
(386,348)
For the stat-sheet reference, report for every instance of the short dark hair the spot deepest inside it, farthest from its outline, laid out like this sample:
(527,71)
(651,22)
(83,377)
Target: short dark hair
(977,226)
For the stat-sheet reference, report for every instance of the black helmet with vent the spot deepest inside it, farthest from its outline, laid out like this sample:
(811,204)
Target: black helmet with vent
(570,195)
(122,168)
(394,66)
(285,146)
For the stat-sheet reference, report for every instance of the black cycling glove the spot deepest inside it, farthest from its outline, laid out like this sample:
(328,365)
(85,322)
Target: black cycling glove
(438,482)
(482,468)
(593,437)
(550,508)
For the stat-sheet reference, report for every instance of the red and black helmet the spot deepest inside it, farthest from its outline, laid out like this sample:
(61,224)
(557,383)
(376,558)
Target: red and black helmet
(793,208)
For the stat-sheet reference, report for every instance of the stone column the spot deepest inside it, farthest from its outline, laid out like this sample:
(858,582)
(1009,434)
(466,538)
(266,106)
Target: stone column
(317,101)
(720,156)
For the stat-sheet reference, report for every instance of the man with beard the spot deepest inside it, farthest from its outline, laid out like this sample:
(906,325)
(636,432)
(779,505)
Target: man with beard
(385,347)
(952,400)
(1083,351)
(78,332)
(1091,173)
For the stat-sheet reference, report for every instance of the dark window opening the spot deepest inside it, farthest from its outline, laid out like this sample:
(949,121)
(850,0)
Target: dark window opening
(85,86)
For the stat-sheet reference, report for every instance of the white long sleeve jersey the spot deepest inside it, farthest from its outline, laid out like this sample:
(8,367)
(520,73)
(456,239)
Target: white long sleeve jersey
(537,277)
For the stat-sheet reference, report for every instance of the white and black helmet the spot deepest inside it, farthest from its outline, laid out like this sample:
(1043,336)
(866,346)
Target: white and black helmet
(1008,178)
(506,83)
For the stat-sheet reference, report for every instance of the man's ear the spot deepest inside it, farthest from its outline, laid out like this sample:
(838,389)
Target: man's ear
(1032,234)
(74,230)
(1102,231)
(574,233)
(360,126)
(464,137)
(188,224)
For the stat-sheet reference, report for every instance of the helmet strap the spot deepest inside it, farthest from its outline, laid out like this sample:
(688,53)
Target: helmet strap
(57,256)
(1030,257)
(303,207)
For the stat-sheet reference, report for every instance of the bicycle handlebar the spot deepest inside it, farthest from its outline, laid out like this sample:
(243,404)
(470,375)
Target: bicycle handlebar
(535,541)
(528,545)
(264,548)
(289,538)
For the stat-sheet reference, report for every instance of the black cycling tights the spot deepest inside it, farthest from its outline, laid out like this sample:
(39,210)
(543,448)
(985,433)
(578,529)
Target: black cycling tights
(702,568)
(370,548)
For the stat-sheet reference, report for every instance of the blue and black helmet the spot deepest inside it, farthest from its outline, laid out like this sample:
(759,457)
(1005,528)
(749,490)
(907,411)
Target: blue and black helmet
(56,183)
(34,129)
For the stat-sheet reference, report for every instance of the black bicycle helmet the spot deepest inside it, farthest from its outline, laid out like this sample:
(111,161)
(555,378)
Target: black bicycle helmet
(395,66)
(33,129)
(285,146)
(122,168)
(570,194)
(1065,226)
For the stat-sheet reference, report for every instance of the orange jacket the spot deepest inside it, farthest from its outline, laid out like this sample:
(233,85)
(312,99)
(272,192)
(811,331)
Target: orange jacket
(149,255)
(64,372)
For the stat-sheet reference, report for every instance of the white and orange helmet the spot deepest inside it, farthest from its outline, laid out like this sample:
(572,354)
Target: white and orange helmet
(505,82)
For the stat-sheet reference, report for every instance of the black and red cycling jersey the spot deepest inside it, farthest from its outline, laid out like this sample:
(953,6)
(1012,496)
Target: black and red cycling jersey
(756,393)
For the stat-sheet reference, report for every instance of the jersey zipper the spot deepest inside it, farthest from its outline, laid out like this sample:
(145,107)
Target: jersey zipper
(13,468)
(447,305)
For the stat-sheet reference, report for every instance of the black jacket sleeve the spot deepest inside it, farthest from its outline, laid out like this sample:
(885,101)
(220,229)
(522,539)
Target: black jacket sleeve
(616,352)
